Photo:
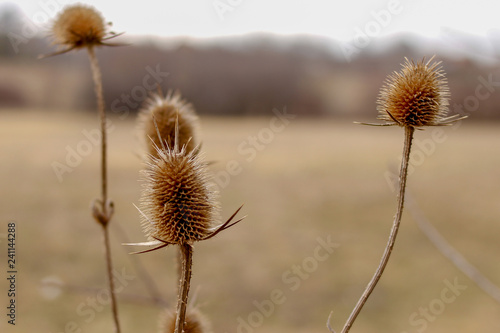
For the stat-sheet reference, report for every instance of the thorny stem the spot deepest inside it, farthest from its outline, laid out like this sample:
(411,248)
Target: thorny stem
(105,214)
(394,231)
(186,251)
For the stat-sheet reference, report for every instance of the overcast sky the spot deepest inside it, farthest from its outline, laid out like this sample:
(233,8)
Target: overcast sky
(341,20)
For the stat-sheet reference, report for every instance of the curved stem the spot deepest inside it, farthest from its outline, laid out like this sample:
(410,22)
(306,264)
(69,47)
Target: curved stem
(394,231)
(186,251)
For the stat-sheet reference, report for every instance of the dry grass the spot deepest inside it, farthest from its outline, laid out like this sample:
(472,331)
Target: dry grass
(316,178)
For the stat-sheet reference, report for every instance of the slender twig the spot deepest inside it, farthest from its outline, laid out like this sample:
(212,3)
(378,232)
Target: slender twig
(103,215)
(451,253)
(185,281)
(394,231)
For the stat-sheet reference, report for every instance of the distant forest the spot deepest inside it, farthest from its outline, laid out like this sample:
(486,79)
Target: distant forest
(246,75)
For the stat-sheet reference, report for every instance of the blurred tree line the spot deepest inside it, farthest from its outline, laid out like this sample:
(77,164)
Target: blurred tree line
(248,75)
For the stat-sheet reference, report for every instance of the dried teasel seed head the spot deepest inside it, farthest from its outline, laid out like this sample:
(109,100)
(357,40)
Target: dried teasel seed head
(196,322)
(178,200)
(416,96)
(157,120)
(79,26)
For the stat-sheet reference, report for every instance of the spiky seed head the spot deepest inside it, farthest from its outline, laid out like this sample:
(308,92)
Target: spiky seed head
(196,322)
(417,96)
(79,26)
(178,200)
(157,120)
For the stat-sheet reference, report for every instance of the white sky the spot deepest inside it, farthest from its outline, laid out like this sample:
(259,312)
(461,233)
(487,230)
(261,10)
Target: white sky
(337,19)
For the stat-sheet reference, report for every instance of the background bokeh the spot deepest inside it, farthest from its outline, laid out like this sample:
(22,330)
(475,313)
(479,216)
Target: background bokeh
(277,110)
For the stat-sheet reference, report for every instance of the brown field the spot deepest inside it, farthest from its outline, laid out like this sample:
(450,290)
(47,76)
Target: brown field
(314,179)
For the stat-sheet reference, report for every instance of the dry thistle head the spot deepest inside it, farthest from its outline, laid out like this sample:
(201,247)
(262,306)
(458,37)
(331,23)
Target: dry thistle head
(79,26)
(178,201)
(158,120)
(415,97)
(195,322)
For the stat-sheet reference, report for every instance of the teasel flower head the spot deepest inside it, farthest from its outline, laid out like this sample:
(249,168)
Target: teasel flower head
(178,200)
(79,26)
(157,120)
(417,96)
(196,322)
(178,203)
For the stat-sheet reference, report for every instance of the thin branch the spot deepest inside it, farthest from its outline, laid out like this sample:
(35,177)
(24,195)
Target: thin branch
(394,231)
(451,253)
(328,323)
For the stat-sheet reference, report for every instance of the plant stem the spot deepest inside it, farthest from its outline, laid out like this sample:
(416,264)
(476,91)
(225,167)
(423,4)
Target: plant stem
(106,211)
(96,76)
(394,231)
(109,269)
(185,281)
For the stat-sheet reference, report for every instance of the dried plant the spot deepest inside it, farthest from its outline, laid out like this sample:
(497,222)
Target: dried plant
(415,97)
(179,202)
(79,26)
(179,207)
(157,120)
(196,322)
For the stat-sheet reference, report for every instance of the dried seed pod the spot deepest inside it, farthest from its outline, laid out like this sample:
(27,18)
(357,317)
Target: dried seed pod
(158,119)
(417,96)
(196,322)
(178,202)
(79,26)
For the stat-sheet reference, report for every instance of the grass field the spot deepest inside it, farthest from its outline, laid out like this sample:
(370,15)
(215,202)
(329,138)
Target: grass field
(304,183)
